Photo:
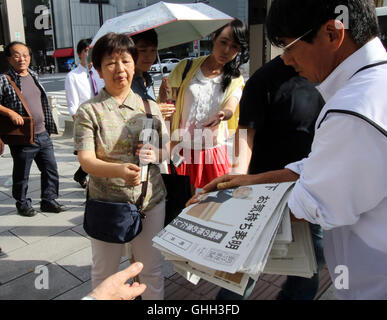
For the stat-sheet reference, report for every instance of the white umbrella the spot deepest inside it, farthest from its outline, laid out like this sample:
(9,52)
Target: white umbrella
(174,23)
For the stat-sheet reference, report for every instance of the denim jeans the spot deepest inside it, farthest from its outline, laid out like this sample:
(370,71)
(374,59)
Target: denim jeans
(42,152)
(294,288)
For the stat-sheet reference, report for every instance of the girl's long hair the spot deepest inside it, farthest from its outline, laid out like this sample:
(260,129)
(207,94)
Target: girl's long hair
(241,37)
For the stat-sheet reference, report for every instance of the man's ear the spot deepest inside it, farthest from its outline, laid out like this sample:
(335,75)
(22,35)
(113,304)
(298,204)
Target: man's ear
(335,33)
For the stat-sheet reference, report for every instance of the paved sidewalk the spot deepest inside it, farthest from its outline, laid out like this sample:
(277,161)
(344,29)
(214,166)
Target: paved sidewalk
(59,242)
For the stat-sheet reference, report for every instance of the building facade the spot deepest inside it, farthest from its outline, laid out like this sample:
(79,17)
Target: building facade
(38,32)
(11,26)
(79,19)
(52,28)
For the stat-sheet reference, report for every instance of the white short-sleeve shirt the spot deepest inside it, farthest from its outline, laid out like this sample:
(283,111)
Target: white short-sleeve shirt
(343,182)
(79,88)
(202,100)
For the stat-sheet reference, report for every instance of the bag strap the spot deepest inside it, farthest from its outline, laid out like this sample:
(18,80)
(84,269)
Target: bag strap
(147,109)
(372,123)
(186,69)
(20,95)
(370,66)
(144,188)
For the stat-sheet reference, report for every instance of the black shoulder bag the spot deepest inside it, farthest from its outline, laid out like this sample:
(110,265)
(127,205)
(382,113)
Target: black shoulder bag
(178,193)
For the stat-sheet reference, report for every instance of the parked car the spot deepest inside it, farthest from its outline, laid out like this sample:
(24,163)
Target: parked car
(167,65)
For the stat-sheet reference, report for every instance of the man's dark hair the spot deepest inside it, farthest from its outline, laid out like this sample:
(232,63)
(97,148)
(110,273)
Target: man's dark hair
(82,45)
(110,43)
(292,19)
(7,49)
(149,37)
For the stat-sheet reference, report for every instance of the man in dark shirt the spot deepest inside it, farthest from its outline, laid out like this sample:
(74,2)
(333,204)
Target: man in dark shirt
(279,110)
(42,151)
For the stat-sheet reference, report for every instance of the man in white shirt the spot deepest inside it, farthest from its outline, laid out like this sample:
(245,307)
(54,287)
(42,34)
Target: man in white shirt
(82,84)
(342,184)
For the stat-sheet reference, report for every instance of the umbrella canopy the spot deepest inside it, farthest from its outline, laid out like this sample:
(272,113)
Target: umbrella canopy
(174,23)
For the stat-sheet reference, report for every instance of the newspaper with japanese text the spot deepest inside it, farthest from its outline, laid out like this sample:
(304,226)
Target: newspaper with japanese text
(221,231)
(236,234)
(299,260)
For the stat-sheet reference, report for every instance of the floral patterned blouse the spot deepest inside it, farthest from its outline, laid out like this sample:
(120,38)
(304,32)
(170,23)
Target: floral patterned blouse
(113,132)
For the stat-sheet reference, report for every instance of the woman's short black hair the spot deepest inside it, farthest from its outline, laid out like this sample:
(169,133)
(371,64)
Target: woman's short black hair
(110,43)
(292,19)
(149,37)
(240,35)
(82,45)
(7,49)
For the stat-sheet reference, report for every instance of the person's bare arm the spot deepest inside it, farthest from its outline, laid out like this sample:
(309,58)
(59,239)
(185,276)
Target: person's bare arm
(16,118)
(223,115)
(244,139)
(231,181)
(99,168)
(165,90)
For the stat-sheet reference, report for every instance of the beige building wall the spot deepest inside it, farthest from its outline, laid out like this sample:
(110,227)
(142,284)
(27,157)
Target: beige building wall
(260,49)
(256,47)
(15,20)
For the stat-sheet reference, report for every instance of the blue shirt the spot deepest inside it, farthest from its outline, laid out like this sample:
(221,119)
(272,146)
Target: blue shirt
(144,91)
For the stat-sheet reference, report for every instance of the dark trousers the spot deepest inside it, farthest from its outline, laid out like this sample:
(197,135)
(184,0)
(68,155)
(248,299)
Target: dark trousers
(294,288)
(42,152)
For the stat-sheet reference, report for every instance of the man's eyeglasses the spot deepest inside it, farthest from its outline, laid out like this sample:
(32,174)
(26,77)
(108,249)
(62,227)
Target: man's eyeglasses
(291,44)
(19,56)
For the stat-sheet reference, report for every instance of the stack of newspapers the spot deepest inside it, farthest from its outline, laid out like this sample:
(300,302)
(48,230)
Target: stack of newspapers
(234,234)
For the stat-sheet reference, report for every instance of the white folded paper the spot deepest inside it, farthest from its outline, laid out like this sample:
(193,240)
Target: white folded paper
(235,234)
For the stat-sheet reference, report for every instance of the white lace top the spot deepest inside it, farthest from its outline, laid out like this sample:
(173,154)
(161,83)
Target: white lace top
(202,100)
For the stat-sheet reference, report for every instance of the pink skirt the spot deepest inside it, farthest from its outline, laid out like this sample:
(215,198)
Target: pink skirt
(203,166)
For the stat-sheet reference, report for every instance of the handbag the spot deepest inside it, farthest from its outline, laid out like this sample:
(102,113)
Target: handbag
(13,134)
(113,222)
(178,193)
(116,222)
